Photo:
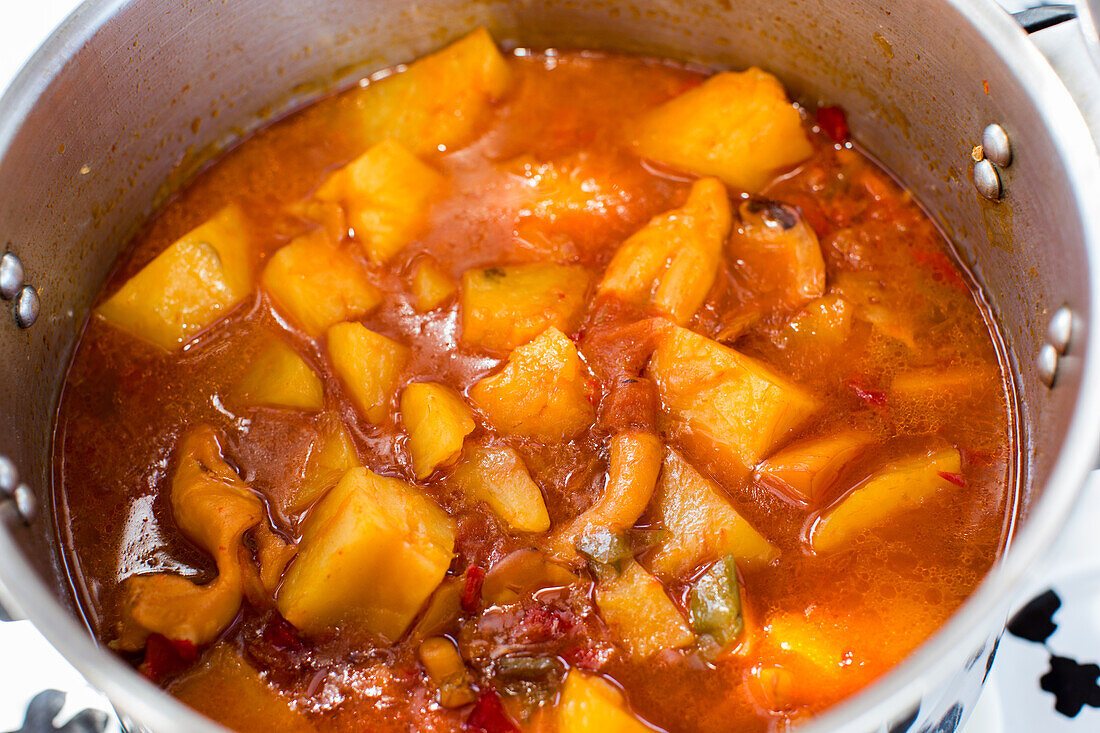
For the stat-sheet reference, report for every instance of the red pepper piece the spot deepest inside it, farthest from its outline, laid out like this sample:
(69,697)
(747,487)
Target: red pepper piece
(870,396)
(587,657)
(471,591)
(280,634)
(488,716)
(956,478)
(164,656)
(543,624)
(834,123)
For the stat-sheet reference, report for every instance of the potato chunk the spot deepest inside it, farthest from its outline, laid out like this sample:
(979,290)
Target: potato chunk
(386,193)
(279,377)
(187,287)
(430,285)
(672,261)
(636,607)
(505,307)
(371,553)
(497,475)
(806,470)
(731,405)
(588,704)
(226,688)
(543,391)
(823,325)
(330,456)
(898,487)
(701,523)
(369,364)
(318,284)
(631,477)
(447,671)
(437,421)
(737,126)
(440,100)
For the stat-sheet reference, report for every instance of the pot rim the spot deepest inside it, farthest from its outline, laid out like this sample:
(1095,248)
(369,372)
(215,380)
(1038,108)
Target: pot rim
(25,595)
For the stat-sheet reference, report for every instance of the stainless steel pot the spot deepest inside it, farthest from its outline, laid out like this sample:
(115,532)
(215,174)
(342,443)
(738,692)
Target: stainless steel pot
(128,94)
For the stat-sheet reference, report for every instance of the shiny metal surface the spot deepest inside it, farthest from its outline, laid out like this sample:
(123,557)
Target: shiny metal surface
(1060,330)
(987,180)
(9,476)
(1047,364)
(129,94)
(996,145)
(27,306)
(11,275)
(1088,12)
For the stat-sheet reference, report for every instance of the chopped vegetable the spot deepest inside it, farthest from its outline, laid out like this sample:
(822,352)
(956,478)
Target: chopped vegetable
(447,671)
(530,681)
(543,392)
(808,469)
(520,573)
(505,307)
(631,476)
(441,614)
(738,126)
(330,456)
(636,607)
(497,475)
(590,705)
(774,236)
(715,604)
(430,285)
(369,365)
(387,193)
(441,100)
(488,715)
(823,324)
(701,523)
(834,123)
(318,284)
(279,377)
(472,583)
(724,401)
(189,286)
(603,546)
(437,421)
(897,487)
(928,384)
(213,507)
(671,263)
(371,553)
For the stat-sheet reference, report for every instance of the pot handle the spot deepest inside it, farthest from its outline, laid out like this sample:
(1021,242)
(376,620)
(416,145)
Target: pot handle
(1044,16)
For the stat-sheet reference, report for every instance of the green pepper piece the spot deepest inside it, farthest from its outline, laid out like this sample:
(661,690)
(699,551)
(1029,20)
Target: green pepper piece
(605,550)
(715,602)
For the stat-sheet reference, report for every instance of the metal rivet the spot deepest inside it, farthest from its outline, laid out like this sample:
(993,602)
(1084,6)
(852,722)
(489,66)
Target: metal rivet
(11,275)
(1060,330)
(996,145)
(25,503)
(9,476)
(987,180)
(1047,363)
(26,306)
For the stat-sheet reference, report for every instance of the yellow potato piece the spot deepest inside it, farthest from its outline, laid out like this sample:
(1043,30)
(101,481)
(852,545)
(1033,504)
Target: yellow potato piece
(823,324)
(738,126)
(807,469)
(816,649)
(632,473)
(372,551)
(564,188)
(497,475)
(505,307)
(386,193)
(213,507)
(279,377)
(898,487)
(441,100)
(588,704)
(370,366)
(330,457)
(430,285)
(542,392)
(318,284)
(734,406)
(638,610)
(520,574)
(437,421)
(701,523)
(672,261)
(187,287)
(447,671)
(227,689)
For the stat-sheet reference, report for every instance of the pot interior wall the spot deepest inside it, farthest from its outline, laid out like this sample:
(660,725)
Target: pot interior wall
(165,84)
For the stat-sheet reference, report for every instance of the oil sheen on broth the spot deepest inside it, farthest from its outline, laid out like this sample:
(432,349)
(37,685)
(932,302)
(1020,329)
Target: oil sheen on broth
(542,391)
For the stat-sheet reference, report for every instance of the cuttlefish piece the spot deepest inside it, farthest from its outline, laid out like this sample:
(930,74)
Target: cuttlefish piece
(213,507)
